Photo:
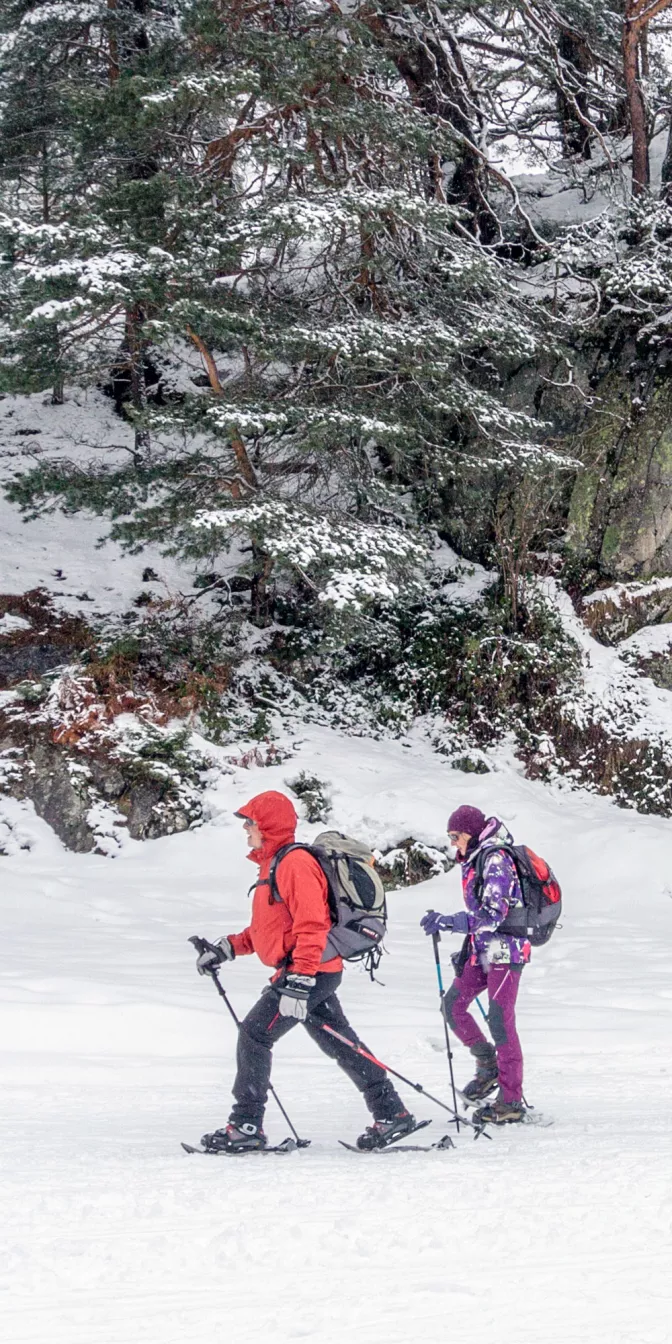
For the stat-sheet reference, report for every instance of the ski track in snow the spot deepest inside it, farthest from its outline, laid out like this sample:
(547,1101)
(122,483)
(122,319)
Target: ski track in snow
(113,1050)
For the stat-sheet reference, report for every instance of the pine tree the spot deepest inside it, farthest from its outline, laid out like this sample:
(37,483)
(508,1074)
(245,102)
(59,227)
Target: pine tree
(259,183)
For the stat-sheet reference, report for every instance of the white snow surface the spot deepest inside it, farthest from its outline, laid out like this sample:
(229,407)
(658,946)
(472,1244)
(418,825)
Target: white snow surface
(649,640)
(59,552)
(113,1050)
(611,691)
(627,592)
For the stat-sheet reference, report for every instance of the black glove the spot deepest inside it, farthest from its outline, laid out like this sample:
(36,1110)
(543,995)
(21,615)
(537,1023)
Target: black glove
(294,990)
(211,955)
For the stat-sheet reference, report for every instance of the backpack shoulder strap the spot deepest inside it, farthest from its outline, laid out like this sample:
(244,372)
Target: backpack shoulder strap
(276,860)
(484,854)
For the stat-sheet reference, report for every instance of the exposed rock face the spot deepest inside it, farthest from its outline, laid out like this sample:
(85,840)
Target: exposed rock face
(59,795)
(58,742)
(64,786)
(620,515)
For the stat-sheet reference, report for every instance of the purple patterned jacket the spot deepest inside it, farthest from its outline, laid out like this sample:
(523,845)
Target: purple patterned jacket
(500,892)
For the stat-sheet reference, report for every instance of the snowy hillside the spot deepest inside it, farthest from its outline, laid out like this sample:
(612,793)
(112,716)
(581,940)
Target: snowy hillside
(113,1050)
(58,552)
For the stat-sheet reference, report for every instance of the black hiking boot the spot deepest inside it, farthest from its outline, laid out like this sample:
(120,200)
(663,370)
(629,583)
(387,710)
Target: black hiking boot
(499,1112)
(487,1075)
(235,1139)
(383,1132)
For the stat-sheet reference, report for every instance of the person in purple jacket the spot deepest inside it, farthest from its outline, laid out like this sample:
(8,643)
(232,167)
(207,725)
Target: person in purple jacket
(491,959)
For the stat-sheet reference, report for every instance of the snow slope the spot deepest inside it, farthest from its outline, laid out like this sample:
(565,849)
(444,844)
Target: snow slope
(59,552)
(113,1049)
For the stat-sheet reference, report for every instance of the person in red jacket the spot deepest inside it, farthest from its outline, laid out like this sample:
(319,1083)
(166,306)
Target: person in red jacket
(290,935)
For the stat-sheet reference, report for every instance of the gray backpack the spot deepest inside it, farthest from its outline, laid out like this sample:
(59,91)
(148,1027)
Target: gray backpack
(356,897)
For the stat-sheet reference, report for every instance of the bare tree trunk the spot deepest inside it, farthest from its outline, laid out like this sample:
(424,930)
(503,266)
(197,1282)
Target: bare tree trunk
(135,345)
(58,389)
(432,67)
(260,598)
(573,105)
(641,175)
(638,15)
(239,450)
(262,562)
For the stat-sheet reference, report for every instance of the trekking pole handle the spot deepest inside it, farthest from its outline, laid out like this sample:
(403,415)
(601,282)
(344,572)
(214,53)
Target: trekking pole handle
(201,944)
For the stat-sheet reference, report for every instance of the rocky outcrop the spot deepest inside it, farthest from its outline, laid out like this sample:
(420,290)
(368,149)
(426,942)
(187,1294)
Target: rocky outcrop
(61,746)
(620,516)
(67,787)
(613,614)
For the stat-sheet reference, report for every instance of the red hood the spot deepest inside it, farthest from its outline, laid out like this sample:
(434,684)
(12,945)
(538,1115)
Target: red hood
(276,818)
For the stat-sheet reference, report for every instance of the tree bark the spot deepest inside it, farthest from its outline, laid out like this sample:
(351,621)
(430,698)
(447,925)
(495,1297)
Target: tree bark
(239,450)
(638,15)
(433,69)
(572,107)
(135,346)
(641,175)
(113,44)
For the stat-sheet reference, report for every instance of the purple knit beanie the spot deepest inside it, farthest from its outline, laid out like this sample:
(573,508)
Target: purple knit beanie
(468,819)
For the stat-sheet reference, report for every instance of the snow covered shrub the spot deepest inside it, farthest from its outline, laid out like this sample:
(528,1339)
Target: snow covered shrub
(469,663)
(411,862)
(168,659)
(635,772)
(313,794)
(31,692)
(470,765)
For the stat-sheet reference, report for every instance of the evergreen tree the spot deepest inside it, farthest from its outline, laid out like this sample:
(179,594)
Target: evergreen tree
(260,182)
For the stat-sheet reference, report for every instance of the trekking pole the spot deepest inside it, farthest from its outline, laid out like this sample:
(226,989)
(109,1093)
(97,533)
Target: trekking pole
(436,939)
(417,1087)
(202,945)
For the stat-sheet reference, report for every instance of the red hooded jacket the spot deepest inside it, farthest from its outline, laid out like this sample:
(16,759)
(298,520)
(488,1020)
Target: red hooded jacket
(297,926)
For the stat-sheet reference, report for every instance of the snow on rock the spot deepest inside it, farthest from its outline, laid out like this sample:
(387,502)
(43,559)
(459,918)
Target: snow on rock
(651,640)
(466,581)
(611,692)
(614,613)
(620,593)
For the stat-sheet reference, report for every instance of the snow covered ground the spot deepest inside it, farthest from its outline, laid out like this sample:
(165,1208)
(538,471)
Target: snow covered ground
(59,552)
(113,1050)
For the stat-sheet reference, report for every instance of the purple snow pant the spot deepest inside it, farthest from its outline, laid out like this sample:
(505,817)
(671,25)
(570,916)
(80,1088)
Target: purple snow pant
(502,984)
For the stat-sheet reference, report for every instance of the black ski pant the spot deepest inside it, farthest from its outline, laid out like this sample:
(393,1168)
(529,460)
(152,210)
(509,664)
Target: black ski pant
(264,1025)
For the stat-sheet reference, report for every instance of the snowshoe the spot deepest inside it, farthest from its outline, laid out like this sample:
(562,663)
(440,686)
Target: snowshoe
(499,1112)
(486,1078)
(235,1139)
(383,1132)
